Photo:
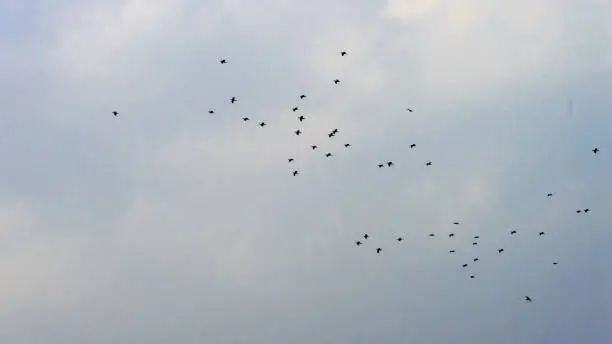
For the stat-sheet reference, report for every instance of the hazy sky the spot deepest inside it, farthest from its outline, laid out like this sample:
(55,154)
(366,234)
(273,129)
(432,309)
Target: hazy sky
(170,225)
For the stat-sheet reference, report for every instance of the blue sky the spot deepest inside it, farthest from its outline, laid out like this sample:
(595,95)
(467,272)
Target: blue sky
(167,224)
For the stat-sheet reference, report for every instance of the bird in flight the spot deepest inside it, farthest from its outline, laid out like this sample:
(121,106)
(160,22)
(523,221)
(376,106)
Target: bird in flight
(295,173)
(295,108)
(549,195)
(115,113)
(409,109)
(365,236)
(297,132)
(302,96)
(476,237)
(555,263)
(474,243)
(335,131)
(528,299)
(222,61)
(465,265)
(378,250)
(412,145)
(301,118)
(342,53)
(381,165)
(290,159)
(501,250)
(262,124)
(541,233)
(400,239)
(475,259)
(245,119)
(346,145)
(578,211)
(586,210)
(358,242)
(595,150)
(512,232)
(451,235)
(313,147)
(389,163)
(431,235)
(428,163)
(328,154)
(451,251)
(211,111)
(472,276)
(455,223)
(233,100)
(336,81)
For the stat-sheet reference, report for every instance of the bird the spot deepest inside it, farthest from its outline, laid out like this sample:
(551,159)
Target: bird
(389,163)
(595,150)
(378,250)
(381,165)
(302,96)
(335,131)
(451,251)
(475,259)
(428,163)
(342,53)
(501,250)
(330,134)
(541,233)
(512,232)
(328,155)
(472,276)
(451,235)
(313,147)
(586,210)
(290,159)
(474,243)
(412,145)
(465,265)
(115,113)
(578,211)
(233,100)
(431,235)
(528,299)
(297,132)
(365,236)
(295,173)
(455,223)
(399,239)
(295,109)
(336,81)
(555,263)
(301,118)
(409,109)
(549,195)
(358,242)
(222,61)
(476,237)
(346,145)
(245,119)
(262,124)
(211,111)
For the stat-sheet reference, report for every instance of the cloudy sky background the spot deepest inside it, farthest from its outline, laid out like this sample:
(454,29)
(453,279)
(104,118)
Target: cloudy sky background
(170,225)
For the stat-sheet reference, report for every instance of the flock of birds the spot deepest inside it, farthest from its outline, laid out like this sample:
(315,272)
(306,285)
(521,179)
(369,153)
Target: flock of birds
(333,132)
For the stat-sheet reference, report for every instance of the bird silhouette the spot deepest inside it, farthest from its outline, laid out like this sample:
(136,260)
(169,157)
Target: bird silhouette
(512,232)
(528,299)
(222,61)
(595,150)
(428,163)
(335,131)
(313,147)
(555,263)
(115,113)
(476,237)
(330,134)
(586,210)
(358,242)
(301,118)
(412,145)
(455,223)
(399,239)
(451,251)
(297,132)
(451,235)
(409,109)
(346,145)
(381,165)
(342,53)
(549,195)
(474,243)
(328,155)
(475,259)
(262,124)
(302,96)
(541,233)
(472,276)
(465,265)
(245,119)
(295,109)
(378,250)
(290,159)
(336,81)
(578,211)
(431,235)
(295,173)
(501,250)
(365,236)
(211,111)
(233,100)
(389,163)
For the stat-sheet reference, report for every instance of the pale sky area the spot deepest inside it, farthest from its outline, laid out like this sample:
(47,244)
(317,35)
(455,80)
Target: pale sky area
(167,224)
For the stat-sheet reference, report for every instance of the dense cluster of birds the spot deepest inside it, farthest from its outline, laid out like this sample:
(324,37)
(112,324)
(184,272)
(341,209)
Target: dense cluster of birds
(382,164)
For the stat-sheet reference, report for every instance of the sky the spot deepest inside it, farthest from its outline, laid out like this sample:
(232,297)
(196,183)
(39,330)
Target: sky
(167,224)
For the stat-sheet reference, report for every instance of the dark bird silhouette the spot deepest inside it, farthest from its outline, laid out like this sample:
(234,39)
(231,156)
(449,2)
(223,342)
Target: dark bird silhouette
(409,109)
(262,124)
(528,299)
(290,159)
(378,250)
(233,100)
(222,61)
(472,276)
(245,119)
(455,223)
(501,250)
(595,150)
(512,232)
(476,237)
(451,251)
(328,154)
(302,96)
(381,165)
(412,145)
(297,132)
(474,243)
(330,134)
(541,233)
(549,195)
(365,236)
(389,163)
(465,265)
(578,211)
(211,111)
(451,235)
(586,210)
(336,81)
(555,263)
(115,113)
(428,163)
(335,131)
(399,239)
(313,147)
(301,118)
(346,145)
(295,109)
(431,235)
(342,53)
(475,259)
(358,242)
(295,173)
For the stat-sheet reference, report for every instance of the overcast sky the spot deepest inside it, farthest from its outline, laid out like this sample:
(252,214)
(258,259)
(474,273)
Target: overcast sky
(167,224)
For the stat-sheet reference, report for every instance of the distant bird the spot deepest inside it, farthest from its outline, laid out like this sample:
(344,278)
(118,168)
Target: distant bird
(262,124)
(342,53)
(233,100)
(330,134)
(295,109)
(365,236)
(302,96)
(381,165)
(595,150)
(549,195)
(476,237)
(290,159)
(472,276)
(211,111)
(555,263)
(295,173)
(586,210)
(512,232)
(474,243)
(528,299)
(451,235)
(328,155)
(399,239)
(297,132)
(475,259)
(346,145)
(336,81)
(335,131)
(501,250)
(412,145)
(455,223)
(451,251)
(541,233)
(378,250)
(245,119)
(313,147)
(358,242)
(222,61)
(578,211)
(465,265)
(115,113)
(389,163)
(409,109)
(431,235)
(301,118)
(428,163)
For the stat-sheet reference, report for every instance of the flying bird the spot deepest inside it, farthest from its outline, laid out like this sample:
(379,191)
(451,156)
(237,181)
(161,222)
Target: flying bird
(336,81)
(555,263)
(501,250)
(245,119)
(451,251)
(475,259)
(211,111)
(295,173)
(233,100)
(595,150)
(295,109)
(455,223)
(262,124)
(578,211)
(222,61)
(301,118)
(472,276)
(528,299)
(474,243)
(328,154)
(302,96)
(330,134)
(381,165)
(342,53)
(431,235)
(549,195)
(476,237)
(365,236)
(586,210)
(378,250)
(358,242)
(346,145)
(465,265)
(389,163)
(335,131)
(409,109)
(290,159)
(297,132)
(451,235)
(115,113)
(541,233)
(512,232)
(313,147)
(428,163)
(399,239)
(412,145)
